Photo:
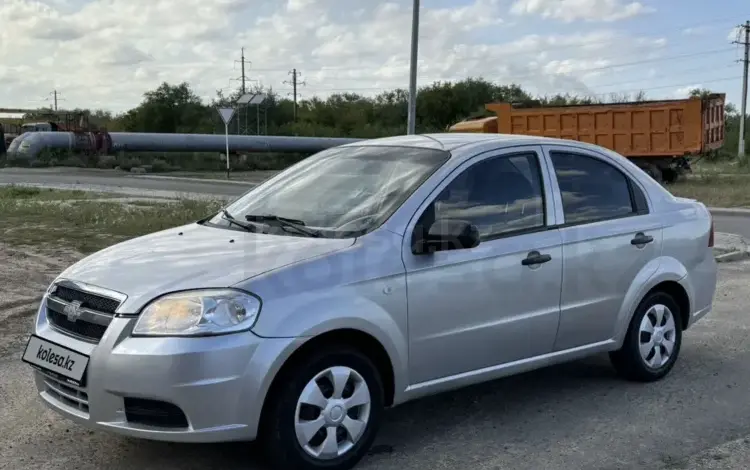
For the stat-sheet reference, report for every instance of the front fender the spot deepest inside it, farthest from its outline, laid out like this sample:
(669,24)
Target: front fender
(658,270)
(312,314)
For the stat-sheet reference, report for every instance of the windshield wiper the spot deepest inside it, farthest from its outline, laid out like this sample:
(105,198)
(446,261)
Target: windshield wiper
(285,224)
(230,218)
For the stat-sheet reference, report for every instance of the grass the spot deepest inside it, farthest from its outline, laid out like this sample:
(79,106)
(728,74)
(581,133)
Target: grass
(720,167)
(715,190)
(64,218)
(252,176)
(14,192)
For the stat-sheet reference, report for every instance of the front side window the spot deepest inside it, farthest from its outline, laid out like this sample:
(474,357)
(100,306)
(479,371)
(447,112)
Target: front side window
(591,189)
(499,196)
(343,191)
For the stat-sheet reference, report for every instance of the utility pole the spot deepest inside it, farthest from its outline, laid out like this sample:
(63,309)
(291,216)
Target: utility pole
(243,78)
(412,116)
(745,66)
(295,83)
(55,97)
(243,89)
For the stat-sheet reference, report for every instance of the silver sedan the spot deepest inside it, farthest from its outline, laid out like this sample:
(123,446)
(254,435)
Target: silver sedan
(369,275)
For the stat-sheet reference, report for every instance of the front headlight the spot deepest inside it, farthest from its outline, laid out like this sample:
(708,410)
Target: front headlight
(198,313)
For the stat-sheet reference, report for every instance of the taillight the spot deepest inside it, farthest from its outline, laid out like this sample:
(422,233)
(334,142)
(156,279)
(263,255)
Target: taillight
(711,235)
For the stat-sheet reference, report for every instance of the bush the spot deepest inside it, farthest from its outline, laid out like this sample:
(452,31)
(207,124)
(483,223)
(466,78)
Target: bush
(106,162)
(73,161)
(160,166)
(129,163)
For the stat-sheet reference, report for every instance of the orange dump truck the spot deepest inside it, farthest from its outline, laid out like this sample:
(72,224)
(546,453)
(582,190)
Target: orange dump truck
(659,136)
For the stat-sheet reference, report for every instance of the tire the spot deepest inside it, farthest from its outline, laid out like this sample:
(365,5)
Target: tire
(279,428)
(670,175)
(629,362)
(654,172)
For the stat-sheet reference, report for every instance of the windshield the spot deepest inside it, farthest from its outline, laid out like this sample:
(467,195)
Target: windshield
(343,191)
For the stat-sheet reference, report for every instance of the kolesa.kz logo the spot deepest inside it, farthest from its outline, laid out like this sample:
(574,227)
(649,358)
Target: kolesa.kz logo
(47,355)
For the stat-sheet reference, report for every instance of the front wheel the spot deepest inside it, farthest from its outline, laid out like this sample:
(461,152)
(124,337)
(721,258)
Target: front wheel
(326,412)
(653,340)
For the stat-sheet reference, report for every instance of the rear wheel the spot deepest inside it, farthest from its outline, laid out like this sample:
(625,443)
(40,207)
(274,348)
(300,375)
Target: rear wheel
(653,340)
(326,414)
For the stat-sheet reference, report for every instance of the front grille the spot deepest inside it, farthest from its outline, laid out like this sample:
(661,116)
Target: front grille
(90,316)
(84,329)
(66,394)
(88,300)
(154,413)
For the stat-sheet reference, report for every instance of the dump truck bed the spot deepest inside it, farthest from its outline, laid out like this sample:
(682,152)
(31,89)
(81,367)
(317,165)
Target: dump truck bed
(669,128)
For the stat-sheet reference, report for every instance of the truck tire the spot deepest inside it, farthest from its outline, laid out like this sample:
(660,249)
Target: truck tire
(670,175)
(654,172)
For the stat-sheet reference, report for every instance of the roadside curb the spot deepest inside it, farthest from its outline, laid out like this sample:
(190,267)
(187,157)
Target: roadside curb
(730,211)
(730,247)
(198,180)
(732,256)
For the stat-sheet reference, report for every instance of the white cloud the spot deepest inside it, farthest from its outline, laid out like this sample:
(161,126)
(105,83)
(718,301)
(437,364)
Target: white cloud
(735,34)
(107,53)
(589,10)
(695,31)
(684,92)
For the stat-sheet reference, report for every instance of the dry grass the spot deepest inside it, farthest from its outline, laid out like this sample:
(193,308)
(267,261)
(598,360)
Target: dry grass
(65,218)
(14,192)
(715,190)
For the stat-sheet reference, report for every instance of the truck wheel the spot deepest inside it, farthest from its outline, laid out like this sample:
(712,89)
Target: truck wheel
(326,413)
(670,175)
(654,172)
(653,340)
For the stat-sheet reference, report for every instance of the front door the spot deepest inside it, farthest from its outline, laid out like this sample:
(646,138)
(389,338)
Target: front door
(488,305)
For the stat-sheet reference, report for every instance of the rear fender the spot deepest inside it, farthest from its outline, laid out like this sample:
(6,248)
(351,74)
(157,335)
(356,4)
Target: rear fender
(655,272)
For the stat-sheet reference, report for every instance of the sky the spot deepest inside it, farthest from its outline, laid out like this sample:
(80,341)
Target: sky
(104,54)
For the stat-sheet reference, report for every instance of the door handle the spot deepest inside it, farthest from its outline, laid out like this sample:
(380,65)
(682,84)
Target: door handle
(641,239)
(535,258)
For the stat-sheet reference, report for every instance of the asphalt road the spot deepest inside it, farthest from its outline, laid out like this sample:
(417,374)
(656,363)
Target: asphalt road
(109,181)
(578,415)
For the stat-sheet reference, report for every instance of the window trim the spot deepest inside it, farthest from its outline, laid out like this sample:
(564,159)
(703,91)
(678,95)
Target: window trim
(537,154)
(632,187)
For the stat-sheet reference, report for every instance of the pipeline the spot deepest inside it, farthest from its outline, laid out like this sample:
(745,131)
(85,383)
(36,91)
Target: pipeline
(29,145)
(13,147)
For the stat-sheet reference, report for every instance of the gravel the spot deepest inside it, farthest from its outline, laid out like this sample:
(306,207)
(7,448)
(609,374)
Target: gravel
(578,415)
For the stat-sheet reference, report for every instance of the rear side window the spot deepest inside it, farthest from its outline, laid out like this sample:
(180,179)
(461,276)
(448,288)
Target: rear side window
(593,190)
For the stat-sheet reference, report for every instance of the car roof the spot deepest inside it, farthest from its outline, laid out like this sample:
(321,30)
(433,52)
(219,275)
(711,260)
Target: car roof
(452,141)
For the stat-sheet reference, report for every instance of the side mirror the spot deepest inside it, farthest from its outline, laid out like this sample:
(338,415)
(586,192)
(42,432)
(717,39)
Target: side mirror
(448,234)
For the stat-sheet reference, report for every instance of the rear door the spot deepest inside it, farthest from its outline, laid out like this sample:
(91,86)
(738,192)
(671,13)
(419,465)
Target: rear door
(609,236)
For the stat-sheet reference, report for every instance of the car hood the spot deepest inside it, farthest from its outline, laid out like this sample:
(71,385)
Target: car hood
(192,257)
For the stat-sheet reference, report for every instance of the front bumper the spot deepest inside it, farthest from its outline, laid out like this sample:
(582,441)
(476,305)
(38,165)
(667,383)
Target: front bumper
(218,383)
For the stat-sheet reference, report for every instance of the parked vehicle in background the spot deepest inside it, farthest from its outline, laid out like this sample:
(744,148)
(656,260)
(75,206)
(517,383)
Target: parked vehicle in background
(369,275)
(658,136)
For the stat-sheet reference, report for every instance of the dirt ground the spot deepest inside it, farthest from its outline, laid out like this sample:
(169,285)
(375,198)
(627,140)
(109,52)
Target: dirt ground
(25,275)
(577,415)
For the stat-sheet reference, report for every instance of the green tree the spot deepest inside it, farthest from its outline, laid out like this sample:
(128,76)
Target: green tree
(169,109)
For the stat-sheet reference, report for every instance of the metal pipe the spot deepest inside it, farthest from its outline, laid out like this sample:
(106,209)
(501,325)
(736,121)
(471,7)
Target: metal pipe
(32,145)
(13,147)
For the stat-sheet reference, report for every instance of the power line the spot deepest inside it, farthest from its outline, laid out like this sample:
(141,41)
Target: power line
(586,69)
(616,40)
(635,90)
